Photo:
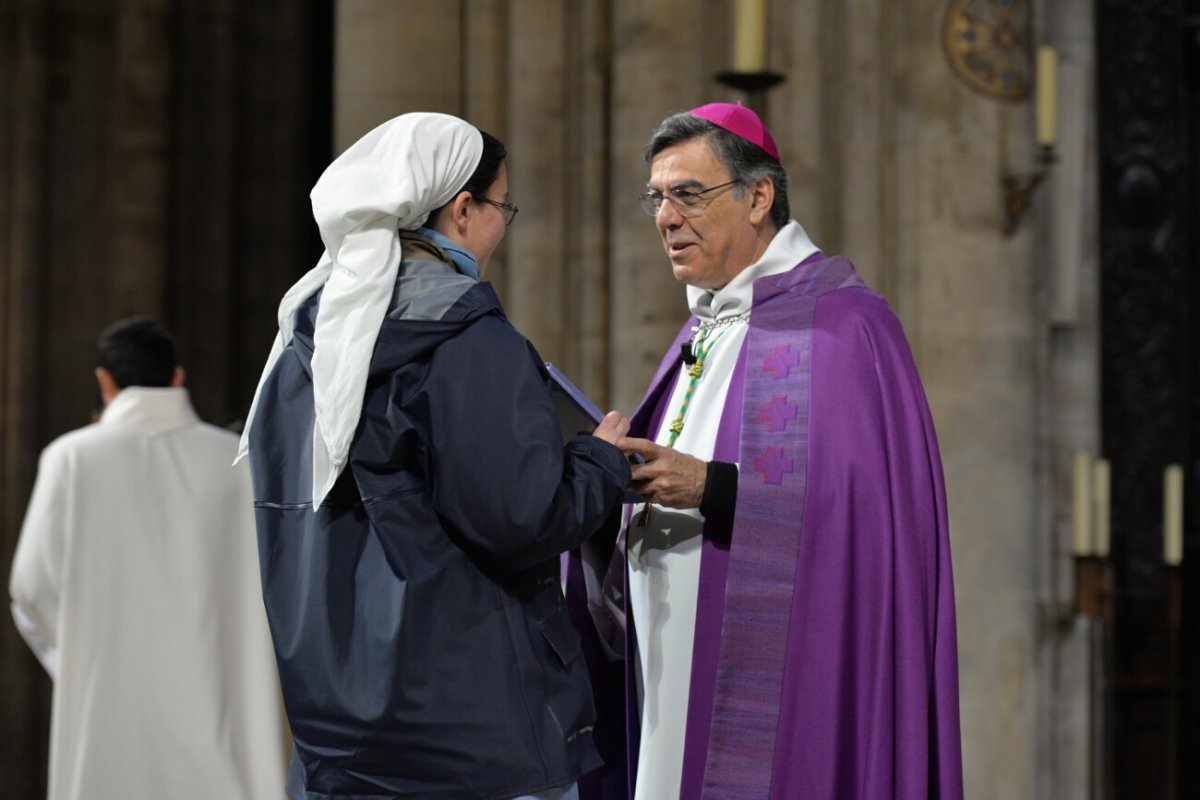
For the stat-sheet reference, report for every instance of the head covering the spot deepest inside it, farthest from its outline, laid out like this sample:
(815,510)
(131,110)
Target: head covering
(389,179)
(740,121)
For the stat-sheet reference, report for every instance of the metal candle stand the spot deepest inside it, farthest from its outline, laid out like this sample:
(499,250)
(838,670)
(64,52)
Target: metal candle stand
(753,85)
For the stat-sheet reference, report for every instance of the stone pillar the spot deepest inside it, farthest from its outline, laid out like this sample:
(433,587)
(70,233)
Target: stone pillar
(485,58)
(587,301)
(24,74)
(1065,227)
(965,293)
(250,134)
(394,56)
(556,284)
(141,151)
(657,69)
(539,161)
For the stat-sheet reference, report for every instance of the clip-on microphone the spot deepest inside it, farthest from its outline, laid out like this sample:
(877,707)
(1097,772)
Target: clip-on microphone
(689,357)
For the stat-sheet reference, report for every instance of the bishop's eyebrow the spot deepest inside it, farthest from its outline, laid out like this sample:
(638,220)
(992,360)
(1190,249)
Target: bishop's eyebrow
(689,184)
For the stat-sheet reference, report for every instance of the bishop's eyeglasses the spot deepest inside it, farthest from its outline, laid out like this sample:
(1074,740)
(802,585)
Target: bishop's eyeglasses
(508,209)
(686,202)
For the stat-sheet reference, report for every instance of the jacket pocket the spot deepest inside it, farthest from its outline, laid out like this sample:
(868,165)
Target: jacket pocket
(561,636)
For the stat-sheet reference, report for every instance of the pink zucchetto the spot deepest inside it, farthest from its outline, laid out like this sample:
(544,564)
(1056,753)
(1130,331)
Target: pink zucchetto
(740,121)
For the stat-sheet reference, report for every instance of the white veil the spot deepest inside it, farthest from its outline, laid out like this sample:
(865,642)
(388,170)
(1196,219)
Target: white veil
(389,179)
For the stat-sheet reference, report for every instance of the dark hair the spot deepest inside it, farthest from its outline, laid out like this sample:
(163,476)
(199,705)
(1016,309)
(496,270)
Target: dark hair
(745,161)
(138,352)
(484,176)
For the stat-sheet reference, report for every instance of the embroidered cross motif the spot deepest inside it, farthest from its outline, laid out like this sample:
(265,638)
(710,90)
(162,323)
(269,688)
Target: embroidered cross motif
(780,362)
(773,465)
(777,413)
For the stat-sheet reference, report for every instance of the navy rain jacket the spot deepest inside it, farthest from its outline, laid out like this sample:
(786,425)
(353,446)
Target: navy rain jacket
(423,644)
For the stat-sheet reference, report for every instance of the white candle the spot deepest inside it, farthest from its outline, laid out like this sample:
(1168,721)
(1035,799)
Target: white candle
(1173,515)
(750,36)
(1081,507)
(1047,99)
(1102,478)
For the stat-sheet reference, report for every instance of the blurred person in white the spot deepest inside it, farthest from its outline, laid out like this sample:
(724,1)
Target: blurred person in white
(135,582)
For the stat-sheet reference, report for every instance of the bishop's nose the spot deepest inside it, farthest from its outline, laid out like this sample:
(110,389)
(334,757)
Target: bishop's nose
(668,216)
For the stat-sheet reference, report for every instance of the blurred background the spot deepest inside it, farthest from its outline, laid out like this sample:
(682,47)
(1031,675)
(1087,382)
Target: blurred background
(1020,178)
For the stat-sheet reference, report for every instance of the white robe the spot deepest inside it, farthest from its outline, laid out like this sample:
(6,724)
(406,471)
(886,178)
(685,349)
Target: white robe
(135,581)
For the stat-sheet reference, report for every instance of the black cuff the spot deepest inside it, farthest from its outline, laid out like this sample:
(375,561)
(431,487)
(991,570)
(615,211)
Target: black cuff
(720,492)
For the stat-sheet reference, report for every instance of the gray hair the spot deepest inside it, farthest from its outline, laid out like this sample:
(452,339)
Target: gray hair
(745,161)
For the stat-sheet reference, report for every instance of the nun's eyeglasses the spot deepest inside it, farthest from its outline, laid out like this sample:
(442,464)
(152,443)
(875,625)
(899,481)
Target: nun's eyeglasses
(508,209)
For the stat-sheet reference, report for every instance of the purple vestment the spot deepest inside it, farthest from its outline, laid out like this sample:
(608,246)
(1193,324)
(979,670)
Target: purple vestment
(825,661)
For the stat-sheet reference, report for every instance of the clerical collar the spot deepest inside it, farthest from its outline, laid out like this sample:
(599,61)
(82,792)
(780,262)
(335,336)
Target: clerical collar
(790,246)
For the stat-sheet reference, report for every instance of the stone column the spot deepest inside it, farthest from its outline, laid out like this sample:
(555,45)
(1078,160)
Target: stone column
(154,160)
(24,74)
(658,68)
(965,293)
(539,160)
(141,151)
(485,59)
(587,300)
(394,56)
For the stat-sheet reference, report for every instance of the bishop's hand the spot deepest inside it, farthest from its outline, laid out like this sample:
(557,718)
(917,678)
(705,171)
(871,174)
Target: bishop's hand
(668,477)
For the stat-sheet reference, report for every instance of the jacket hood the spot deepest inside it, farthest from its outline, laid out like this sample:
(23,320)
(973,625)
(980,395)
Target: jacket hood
(431,304)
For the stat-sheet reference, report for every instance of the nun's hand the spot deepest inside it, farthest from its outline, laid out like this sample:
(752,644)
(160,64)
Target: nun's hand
(614,426)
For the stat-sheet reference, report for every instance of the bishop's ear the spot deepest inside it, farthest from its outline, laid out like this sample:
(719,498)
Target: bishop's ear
(762,197)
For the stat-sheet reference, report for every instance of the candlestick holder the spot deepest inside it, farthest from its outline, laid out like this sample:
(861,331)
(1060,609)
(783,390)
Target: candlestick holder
(752,84)
(750,81)
(1091,586)
(1018,188)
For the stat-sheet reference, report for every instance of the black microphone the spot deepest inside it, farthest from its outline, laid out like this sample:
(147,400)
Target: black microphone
(689,357)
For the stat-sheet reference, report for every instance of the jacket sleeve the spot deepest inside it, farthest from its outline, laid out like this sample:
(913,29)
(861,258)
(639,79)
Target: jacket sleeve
(502,478)
(36,578)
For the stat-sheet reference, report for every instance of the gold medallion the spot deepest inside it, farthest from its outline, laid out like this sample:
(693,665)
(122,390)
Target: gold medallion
(987,43)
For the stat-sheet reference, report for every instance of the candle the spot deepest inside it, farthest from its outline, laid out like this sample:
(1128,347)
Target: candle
(1047,101)
(1102,479)
(1173,515)
(750,36)
(1081,495)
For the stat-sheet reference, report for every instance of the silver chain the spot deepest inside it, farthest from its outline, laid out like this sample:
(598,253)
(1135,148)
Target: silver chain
(719,323)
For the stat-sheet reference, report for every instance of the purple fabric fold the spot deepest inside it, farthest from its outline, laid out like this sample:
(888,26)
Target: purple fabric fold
(871,689)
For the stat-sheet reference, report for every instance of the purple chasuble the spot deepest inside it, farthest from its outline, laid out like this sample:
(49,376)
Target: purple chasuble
(825,660)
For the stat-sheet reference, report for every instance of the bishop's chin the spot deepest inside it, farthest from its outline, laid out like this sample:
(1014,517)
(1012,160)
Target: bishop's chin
(683,274)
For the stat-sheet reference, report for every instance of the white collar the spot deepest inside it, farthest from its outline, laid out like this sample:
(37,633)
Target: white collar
(150,409)
(788,248)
